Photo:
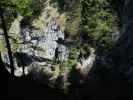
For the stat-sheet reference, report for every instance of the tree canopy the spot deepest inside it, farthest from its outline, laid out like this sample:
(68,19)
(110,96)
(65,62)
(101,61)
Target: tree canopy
(99,20)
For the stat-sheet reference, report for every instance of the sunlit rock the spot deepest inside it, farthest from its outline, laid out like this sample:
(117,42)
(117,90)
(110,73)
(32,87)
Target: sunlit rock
(38,48)
(86,64)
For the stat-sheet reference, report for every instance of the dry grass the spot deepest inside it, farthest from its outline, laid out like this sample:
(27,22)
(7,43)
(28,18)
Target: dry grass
(68,20)
(49,12)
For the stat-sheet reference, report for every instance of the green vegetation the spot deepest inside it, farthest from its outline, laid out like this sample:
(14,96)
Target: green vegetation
(72,10)
(13,8)
(24,7)
(95,19)
(99,21)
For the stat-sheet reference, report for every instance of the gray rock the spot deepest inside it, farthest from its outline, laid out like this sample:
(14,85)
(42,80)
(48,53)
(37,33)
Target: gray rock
(38,48)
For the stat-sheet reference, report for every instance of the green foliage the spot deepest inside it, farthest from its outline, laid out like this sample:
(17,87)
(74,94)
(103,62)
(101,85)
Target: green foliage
(97,17)
(72,59)
(61,4)
(99,20)
(73,22)
(72,10)
(27,8)
(73,53)
(21,6)
(24,7)
(69,64)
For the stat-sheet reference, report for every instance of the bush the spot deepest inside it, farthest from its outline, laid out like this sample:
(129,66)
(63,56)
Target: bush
(99,20)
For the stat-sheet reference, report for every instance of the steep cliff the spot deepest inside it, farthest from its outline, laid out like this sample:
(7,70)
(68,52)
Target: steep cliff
(73,34)
(122,53)
(41,43)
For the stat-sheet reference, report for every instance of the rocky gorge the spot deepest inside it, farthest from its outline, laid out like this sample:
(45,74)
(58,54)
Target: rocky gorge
(83,48)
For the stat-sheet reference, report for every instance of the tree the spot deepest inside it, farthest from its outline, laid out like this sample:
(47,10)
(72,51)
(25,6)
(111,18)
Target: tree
(9,9)
(99,21)
(7,41)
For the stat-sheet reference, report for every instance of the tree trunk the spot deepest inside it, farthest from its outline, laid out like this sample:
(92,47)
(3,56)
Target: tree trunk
(7,41)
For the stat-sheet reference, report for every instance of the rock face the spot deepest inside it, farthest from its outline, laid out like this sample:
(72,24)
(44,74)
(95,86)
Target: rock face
(39,48)
(86,65)
(123,53)
(43,43)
